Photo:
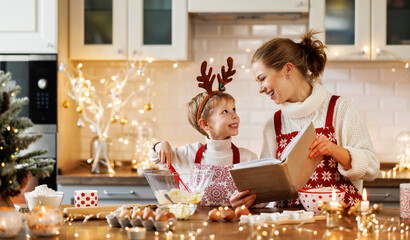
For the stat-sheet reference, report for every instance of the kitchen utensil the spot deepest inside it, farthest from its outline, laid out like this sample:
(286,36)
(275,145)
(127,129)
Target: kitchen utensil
(177,179)
(310,197)
(168,198)
(162,182)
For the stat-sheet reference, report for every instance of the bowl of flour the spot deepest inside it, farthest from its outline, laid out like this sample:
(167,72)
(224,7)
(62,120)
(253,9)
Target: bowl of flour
(43,196)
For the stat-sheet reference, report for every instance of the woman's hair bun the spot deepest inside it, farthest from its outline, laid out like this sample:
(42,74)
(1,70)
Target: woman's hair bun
(314,53)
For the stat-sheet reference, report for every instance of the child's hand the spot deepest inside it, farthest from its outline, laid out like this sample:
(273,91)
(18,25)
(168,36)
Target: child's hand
(321,146)
(164,152)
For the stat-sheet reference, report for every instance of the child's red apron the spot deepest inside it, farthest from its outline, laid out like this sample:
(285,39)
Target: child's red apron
(221,186)
(326,174)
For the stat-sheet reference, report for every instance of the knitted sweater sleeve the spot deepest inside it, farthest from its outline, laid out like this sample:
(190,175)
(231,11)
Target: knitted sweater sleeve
(352,134)
(182,157)
(269,145)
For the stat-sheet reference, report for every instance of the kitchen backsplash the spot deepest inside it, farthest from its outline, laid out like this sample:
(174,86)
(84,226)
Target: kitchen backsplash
(380,90)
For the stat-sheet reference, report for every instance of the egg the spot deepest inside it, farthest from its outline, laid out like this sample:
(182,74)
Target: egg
(242,210)
(136,213)
(170,215)
(214,215)
(227,214)
(148,214)
(161,217)
(124,213)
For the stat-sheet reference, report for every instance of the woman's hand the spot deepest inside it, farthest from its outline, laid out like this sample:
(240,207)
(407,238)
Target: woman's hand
(323,147)
(238,199)
(164,152)
(320,147)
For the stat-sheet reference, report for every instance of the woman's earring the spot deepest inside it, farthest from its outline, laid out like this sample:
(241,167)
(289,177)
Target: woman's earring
(287,76)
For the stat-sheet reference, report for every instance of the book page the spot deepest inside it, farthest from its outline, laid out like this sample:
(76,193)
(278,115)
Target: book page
(292,143)
(255,163)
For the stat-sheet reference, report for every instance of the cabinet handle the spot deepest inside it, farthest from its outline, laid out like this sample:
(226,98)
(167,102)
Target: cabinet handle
(383,195)
(131,192)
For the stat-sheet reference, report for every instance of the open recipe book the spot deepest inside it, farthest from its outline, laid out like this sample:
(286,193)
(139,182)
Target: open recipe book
(273,179)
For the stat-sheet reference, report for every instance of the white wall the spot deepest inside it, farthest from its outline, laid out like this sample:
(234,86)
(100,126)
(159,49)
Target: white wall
(380,90)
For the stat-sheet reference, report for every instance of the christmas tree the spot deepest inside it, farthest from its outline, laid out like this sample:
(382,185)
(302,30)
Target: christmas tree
(15,166)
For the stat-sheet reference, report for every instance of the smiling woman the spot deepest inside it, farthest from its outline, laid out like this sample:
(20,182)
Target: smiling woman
(288,73)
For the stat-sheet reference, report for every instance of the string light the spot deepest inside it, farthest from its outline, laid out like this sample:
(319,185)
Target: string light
(211,60)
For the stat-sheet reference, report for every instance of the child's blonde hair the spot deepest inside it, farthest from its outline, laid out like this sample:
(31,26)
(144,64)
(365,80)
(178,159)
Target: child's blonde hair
(193,105)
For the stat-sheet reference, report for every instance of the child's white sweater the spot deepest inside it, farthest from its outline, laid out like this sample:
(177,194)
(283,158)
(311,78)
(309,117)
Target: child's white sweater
(351,132)
(217,152)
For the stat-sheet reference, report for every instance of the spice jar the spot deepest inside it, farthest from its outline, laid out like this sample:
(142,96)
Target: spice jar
(45,221)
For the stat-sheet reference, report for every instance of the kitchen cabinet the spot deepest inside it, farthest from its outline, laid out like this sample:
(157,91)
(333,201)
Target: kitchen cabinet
(28,26)
(363,29)
(128,29)
(112,194)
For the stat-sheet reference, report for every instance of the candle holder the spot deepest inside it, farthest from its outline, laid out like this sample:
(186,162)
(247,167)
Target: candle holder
(45,221)
(136,233)
(333,219)
(10,222)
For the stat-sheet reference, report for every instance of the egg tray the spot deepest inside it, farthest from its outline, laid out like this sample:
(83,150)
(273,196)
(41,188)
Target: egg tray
(150,224)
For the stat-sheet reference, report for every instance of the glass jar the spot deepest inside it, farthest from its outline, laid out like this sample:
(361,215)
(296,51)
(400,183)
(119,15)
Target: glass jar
(100,160)
(45,221)
(10,222)
(403,147)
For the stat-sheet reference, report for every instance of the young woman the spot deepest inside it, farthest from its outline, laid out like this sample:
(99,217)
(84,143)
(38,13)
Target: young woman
(288,73)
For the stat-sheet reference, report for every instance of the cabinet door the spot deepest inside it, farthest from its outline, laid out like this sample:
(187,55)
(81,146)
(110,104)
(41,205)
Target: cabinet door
(345,27)
(28,26)
(390,30)
(98,29)
(158,29)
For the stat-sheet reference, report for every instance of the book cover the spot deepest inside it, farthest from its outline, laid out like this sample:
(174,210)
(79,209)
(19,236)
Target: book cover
(279,179)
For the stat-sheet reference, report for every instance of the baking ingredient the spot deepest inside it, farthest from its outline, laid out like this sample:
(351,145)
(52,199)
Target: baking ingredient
(179,196)
(161,217)
(180,210)
(43,196)
(227,214)
(124,214)
(136,212)
(214,215)
(148,213)
(242,210)
(170,215)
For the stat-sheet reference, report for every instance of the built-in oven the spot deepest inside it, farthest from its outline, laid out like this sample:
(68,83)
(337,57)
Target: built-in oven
(37,77)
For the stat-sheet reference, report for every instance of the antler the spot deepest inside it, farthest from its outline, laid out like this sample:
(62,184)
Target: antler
(226,76)
(204,78)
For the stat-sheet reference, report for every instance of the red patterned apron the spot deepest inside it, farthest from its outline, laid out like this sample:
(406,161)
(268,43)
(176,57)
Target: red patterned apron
(326,174)
(221,186)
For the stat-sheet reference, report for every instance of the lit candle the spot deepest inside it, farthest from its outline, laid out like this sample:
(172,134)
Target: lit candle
(334,204)
(136,233)
(45,221)
(364,205)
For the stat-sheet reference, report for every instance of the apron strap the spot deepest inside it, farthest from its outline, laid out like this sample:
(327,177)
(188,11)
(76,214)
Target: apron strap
(199,154)
(236,156)
(331,110)
(278,122)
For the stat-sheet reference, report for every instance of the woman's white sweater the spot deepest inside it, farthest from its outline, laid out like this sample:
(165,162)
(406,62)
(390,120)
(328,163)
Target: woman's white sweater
(351,132)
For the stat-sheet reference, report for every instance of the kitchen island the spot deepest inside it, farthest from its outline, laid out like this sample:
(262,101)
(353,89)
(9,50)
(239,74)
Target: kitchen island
(202,228)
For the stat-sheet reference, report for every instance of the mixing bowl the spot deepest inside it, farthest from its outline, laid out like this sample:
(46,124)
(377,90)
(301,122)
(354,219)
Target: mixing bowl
(168,187)
(310,197)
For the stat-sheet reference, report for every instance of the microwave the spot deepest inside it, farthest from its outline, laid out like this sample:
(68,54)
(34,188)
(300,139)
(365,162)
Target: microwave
(37,77)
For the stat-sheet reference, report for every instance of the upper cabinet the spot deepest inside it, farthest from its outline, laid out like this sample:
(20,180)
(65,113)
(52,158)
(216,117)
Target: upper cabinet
(28,26)
(128,29)
(363,29)
(245,6)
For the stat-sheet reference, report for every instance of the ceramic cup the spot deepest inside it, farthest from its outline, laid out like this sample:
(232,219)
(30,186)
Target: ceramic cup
(85,198)
(405,200)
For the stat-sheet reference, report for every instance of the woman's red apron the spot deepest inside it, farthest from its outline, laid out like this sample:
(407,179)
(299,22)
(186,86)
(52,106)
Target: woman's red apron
(221,186)
(326,174)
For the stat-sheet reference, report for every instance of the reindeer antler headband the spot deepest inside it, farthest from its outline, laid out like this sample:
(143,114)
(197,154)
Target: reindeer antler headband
(206,81)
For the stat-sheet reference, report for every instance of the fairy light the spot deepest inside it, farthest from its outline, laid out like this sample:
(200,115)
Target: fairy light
(240,229)
(175,65)
(108,235)
(259,227)
(28,236)
(3,164)
(264,233)
(407,65)
(378,51)
(149,60)
(336,53)
(259,237)
(211,237)
(211,60)
(248,50)
(205,224)
(79,66)
(156,233)
(243,66)
(276,232)
(314,232)
(181,236)
(393,70)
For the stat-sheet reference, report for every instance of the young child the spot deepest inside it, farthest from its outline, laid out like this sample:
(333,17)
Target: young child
(213,114)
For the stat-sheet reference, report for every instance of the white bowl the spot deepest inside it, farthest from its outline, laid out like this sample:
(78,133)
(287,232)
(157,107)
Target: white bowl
(310,197)
(50,200)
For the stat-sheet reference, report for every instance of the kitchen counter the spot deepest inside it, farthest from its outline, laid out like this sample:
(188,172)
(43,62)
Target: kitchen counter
(81,175)
(99,229)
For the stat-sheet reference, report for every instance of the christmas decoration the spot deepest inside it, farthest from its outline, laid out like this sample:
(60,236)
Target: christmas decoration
(100,102)
(16,167)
